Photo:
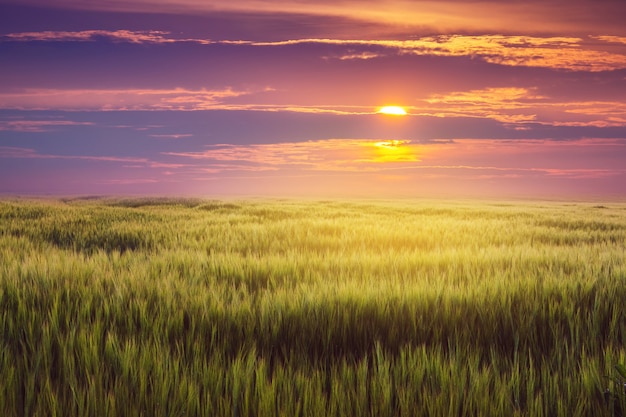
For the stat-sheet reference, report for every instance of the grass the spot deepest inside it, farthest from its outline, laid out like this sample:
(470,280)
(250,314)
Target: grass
(161,307)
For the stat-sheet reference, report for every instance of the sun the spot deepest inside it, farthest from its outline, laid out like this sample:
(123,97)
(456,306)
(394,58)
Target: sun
(392,110)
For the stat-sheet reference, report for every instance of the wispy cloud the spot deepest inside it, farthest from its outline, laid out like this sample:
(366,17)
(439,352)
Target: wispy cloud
(462,159)
(517,106)
(512,106)
(152,36)
(29,153)
(116,99)
(593,113)
(319,155)
(516,172)
(129,181)
(297,108)
(155,99)
(611,39)
(526,160)
(550,52)
(349,55)
(37,125)
(172,136)
(508,105)
(570,53)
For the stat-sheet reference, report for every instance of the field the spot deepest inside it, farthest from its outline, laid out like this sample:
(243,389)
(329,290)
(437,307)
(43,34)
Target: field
(157,307)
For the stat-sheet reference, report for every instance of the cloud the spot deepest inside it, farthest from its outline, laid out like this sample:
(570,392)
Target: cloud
(116,99)
(37,125)
(513,106)
(354,166)
(611,39)
(512,172)
(221,168)
(172,136)
(295,108)
(355,55)
(460,160)
(154,99)
(583,173)
(318,155)
(593,113)
(550,52)
(517,106)
(570,53)
(29,153)
(152,36)
(507,105)
(129,181)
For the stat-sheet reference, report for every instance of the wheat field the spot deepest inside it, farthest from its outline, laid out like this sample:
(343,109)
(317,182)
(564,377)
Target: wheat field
(191,307)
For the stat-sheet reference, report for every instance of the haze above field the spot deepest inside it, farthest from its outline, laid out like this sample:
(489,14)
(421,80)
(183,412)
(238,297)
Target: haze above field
(507,99)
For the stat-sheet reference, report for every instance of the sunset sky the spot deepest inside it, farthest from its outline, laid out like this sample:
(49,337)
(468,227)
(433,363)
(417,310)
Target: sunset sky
(281,98)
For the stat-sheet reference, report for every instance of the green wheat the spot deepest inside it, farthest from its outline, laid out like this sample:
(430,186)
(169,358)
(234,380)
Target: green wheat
(190,307)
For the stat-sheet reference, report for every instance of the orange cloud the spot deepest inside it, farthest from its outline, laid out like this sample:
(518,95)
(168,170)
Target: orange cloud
(550,52)
(507,105)
(569,53)
(611,39)
(515,105)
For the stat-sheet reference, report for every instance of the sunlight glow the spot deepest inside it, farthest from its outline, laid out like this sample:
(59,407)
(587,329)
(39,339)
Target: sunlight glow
(395,151)
(392,110)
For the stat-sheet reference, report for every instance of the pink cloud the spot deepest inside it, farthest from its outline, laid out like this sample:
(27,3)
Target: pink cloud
(513,172)
(514,105)
(365,167)
(172,136)
(37,125)
(319,155)
(486,158)
(125,99)
(587,158)
(128,181)
(28,153)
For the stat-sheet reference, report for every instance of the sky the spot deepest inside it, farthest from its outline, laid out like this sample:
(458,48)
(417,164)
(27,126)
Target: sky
(515,99)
